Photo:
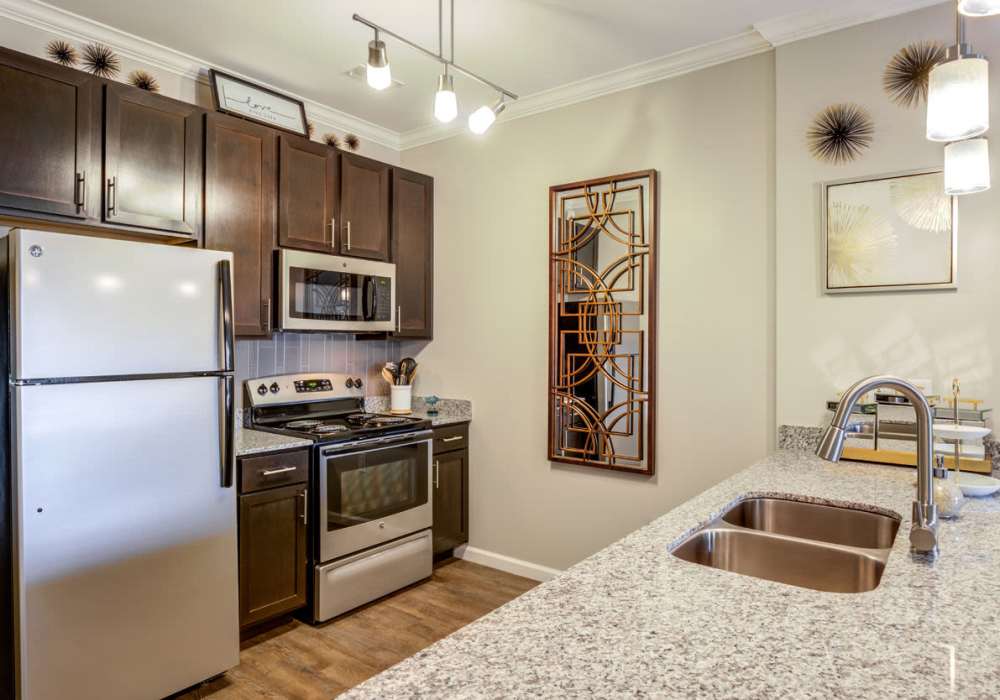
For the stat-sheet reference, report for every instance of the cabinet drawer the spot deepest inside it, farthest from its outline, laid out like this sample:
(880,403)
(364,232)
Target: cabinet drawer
(268,471)
(451,437)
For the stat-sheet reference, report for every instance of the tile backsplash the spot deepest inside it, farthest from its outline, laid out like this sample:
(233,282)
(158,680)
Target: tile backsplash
(288,353)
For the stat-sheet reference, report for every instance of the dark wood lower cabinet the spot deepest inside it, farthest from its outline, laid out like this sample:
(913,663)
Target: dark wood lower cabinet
(451,488)
(273,541)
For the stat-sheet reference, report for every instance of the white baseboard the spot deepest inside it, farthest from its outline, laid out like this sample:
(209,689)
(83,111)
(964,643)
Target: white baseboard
(518,567)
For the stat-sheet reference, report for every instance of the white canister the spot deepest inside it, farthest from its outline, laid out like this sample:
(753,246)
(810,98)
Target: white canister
(401,399)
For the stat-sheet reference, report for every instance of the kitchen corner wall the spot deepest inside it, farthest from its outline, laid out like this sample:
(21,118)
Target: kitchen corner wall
(288,353)
(710,136)
(824,343)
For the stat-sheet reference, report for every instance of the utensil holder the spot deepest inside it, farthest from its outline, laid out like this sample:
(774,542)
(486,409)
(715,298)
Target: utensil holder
(401,399)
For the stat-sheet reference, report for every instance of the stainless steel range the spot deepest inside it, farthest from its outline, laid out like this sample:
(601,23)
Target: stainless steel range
(371,508)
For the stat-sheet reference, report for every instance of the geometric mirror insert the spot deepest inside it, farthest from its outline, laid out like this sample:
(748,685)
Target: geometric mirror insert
(602,322)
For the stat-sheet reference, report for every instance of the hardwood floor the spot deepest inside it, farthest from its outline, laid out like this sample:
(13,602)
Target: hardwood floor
(295,661)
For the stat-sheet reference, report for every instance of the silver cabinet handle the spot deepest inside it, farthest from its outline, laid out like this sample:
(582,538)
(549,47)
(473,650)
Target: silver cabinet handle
(348,235)
(437,473)
(305,506)
(281,470)
(112,196)
(81,190)
(399,318)
(333,232)
(453,438)
(267,315)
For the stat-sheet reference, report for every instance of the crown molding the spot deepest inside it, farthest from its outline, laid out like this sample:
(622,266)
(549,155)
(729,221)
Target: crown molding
(69,25)
(837,15)
(669,66)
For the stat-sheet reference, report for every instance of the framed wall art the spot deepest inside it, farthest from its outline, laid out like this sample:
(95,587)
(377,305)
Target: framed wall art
(895,232)
(602,322)
(236,96)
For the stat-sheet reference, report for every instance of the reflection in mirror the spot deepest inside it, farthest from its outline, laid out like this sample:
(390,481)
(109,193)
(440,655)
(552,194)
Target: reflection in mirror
(602,300)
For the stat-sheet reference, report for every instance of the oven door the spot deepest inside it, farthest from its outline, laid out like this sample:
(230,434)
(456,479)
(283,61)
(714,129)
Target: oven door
(372,495)
(331,293)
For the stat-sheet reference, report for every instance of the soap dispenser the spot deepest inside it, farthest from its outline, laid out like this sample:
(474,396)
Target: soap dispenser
(947,493)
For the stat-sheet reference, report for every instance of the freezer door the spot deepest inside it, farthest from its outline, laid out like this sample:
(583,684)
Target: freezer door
(87,307)
(126,540)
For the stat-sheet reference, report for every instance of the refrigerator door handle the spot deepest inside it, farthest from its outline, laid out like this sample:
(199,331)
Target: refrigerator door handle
(226,314)
(227,447)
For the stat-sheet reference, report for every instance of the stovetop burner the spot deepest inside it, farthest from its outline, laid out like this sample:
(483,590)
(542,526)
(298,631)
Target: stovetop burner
(347,426)
(328,428)
(302,424)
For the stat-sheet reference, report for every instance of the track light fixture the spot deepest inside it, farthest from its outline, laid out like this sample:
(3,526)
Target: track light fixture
(378,74)
(979,8)
(445,99)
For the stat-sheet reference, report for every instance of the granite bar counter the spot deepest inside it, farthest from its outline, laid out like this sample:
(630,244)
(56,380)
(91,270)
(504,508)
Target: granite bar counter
(632,620)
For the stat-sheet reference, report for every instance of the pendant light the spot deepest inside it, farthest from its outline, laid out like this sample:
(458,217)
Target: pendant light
(378,74)
(967,167)
(445,101)
(958,93)
(979,8)
(482,119)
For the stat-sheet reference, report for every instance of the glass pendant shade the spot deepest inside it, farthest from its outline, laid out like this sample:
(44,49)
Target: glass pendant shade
(481,120)
(958,100)
(967,167)
(445,101)
(378,74)
(979,8)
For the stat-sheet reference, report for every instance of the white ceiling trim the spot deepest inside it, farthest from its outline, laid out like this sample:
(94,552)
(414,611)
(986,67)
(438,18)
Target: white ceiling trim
(687,61)
(837,15)
(70,25)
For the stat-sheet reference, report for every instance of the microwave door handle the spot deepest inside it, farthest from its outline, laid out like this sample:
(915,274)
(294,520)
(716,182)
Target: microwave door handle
(368,300)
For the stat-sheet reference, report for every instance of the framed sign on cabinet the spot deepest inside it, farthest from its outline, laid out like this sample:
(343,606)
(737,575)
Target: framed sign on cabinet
(602,322)
(240,98)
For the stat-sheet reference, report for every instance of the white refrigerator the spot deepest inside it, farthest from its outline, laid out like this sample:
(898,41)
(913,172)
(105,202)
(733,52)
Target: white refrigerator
(122,462)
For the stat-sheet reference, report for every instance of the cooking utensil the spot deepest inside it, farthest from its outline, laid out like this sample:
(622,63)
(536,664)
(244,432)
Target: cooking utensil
(407,366)
(388,376)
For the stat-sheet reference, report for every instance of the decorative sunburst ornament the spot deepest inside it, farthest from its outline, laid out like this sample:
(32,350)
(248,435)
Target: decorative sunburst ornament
(62,52)
(144,81)
(905,78)
(840,133)
(858,241)
(332,140)
(310,128)
(101,61)
(922,203)
(352,142)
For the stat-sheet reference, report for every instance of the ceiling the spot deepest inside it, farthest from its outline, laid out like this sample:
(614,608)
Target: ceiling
(527,46)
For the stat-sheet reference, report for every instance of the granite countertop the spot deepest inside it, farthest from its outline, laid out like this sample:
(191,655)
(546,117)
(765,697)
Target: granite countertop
(632,620)
(450,411)
(250,442)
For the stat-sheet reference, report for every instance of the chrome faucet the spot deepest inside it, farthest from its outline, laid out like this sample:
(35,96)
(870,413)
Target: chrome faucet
(923,534)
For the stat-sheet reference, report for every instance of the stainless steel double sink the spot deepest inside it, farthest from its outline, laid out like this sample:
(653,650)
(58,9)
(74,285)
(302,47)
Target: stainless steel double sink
(811,545)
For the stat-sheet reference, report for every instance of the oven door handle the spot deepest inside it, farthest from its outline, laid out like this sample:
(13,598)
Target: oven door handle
(403,440)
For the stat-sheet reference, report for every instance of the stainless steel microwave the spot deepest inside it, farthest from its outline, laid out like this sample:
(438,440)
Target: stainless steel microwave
(318,292)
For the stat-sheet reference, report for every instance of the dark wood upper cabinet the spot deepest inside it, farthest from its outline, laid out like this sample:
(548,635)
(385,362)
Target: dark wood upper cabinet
(241,212)
(48,119)
(364,207)
(307,194)
(413,252)
(273,565)
(152,161)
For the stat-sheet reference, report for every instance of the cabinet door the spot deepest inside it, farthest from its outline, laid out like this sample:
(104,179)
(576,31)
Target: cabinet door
(152,161)
(240,212)
(364,207)
(413,252)
(272,553)
(451,500)
(48,118)
(307,194)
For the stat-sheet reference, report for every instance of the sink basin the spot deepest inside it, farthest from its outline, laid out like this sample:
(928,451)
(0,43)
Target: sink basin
(823,547)
(815,521)
(785,560)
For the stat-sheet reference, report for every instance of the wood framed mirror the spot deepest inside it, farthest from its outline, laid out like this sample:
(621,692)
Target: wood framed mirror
(602,322)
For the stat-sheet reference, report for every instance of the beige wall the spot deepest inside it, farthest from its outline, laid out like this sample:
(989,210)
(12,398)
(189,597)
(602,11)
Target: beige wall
(826,342)
(710,135)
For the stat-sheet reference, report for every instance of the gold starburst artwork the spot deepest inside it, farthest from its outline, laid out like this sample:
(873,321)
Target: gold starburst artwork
(922,203)
(858,239)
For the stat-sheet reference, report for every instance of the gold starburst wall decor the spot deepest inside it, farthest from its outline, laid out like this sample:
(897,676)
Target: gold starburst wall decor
(905,78)
(921,203)
(101,61)
(144,81)
(840,133)
(62,52)
(332,140)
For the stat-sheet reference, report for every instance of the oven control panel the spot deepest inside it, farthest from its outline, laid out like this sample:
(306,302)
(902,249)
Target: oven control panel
(302,388)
